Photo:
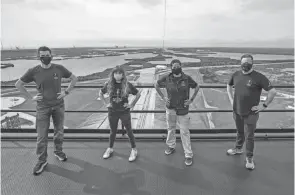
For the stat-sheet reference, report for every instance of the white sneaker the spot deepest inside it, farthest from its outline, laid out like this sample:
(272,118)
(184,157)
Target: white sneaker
(133,155)
(234,151)
(108,153)
(250,163)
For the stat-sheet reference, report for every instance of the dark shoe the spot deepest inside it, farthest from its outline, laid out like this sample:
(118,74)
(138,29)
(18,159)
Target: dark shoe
(169,151)
(61,156)
(188,161)
(39,167)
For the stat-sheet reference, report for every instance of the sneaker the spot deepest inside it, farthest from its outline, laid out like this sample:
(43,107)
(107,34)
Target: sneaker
(188,161)
(169,150)
(234,151)
(250,163)
(108,153)
(61,156)
(133,155)
(39,167)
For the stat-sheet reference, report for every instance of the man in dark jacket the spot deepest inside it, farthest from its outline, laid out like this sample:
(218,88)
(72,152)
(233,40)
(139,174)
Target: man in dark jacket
(178,86)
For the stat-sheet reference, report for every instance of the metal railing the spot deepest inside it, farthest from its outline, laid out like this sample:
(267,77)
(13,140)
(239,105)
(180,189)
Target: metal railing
(152,131)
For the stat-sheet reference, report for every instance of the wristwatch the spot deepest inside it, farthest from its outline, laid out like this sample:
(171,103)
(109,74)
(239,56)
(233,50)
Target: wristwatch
(264,105)
(67,92)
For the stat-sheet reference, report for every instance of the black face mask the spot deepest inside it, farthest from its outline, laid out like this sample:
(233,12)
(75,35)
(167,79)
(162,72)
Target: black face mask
(246,67)
(176,71)
(45,60)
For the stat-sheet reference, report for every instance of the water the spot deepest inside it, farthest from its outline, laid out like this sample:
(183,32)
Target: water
(86,66)
(168,60)
(237,56)
(79,67)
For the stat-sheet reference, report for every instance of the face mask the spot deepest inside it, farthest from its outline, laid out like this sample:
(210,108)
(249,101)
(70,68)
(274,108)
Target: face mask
(246,67)
(45,60)
(176,71)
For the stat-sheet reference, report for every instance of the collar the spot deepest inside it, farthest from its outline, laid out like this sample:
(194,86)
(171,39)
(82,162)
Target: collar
(183,76)
(249,72)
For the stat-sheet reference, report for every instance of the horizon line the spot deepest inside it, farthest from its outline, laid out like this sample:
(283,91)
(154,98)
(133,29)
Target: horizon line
(137,47)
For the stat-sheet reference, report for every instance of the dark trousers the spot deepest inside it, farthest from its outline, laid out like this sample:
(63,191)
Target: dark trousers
(42,126)
(125,117)
(246,126)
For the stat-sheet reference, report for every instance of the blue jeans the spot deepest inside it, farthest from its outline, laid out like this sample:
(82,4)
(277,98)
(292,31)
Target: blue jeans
(42,126)
(246,126)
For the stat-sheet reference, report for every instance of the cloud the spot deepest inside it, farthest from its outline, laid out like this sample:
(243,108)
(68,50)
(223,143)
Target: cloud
(151,3)
(268,5)
(43,4)
(188,21)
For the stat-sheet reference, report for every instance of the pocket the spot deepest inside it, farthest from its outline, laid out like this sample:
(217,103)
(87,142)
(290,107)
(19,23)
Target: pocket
(62,107)
(42,113)
(252,119)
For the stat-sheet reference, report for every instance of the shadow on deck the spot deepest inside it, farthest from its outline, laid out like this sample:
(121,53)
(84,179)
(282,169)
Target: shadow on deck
(85,172)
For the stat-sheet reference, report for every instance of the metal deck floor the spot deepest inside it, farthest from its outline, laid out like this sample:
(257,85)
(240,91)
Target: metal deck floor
(85,172)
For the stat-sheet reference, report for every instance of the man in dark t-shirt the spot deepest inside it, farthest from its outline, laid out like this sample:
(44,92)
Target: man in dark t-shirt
(248,85)
(49,98)
(178,99)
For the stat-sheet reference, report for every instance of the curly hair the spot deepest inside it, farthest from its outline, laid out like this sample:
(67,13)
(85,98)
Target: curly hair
(112,81)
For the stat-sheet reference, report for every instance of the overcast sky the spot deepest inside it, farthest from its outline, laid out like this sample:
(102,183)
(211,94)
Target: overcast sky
(63,23)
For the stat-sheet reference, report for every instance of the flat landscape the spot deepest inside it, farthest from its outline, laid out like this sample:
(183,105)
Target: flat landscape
(141,67)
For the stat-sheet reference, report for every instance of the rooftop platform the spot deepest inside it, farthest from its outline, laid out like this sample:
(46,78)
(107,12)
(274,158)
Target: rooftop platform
(154,173)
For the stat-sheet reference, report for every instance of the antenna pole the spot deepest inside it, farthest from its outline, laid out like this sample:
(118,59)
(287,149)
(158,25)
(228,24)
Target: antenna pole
(164,25)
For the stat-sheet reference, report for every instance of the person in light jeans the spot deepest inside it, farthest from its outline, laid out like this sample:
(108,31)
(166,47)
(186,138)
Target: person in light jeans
(178,86)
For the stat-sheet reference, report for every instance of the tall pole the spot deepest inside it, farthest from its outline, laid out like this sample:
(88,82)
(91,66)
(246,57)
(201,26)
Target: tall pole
(164,25)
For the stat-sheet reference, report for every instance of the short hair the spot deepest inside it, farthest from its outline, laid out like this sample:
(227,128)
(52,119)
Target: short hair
(247,56)
(175,61)
(44,48)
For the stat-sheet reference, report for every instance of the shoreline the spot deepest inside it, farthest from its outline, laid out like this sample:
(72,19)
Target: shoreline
(145,62)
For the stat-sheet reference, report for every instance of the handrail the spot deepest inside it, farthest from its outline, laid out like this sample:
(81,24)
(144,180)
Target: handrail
(143,86)
(81,131)
(147,111)
(153,131)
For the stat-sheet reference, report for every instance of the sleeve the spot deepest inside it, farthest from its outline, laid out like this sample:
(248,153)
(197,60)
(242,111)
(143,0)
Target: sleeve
(192,83)
(162,81)
(265,83)
(133,89)
(28,76)
(104,89)
(65,72)
(231,80)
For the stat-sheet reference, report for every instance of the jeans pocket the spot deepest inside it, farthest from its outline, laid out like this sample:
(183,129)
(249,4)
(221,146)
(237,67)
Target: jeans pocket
(252,119)
(42,113)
